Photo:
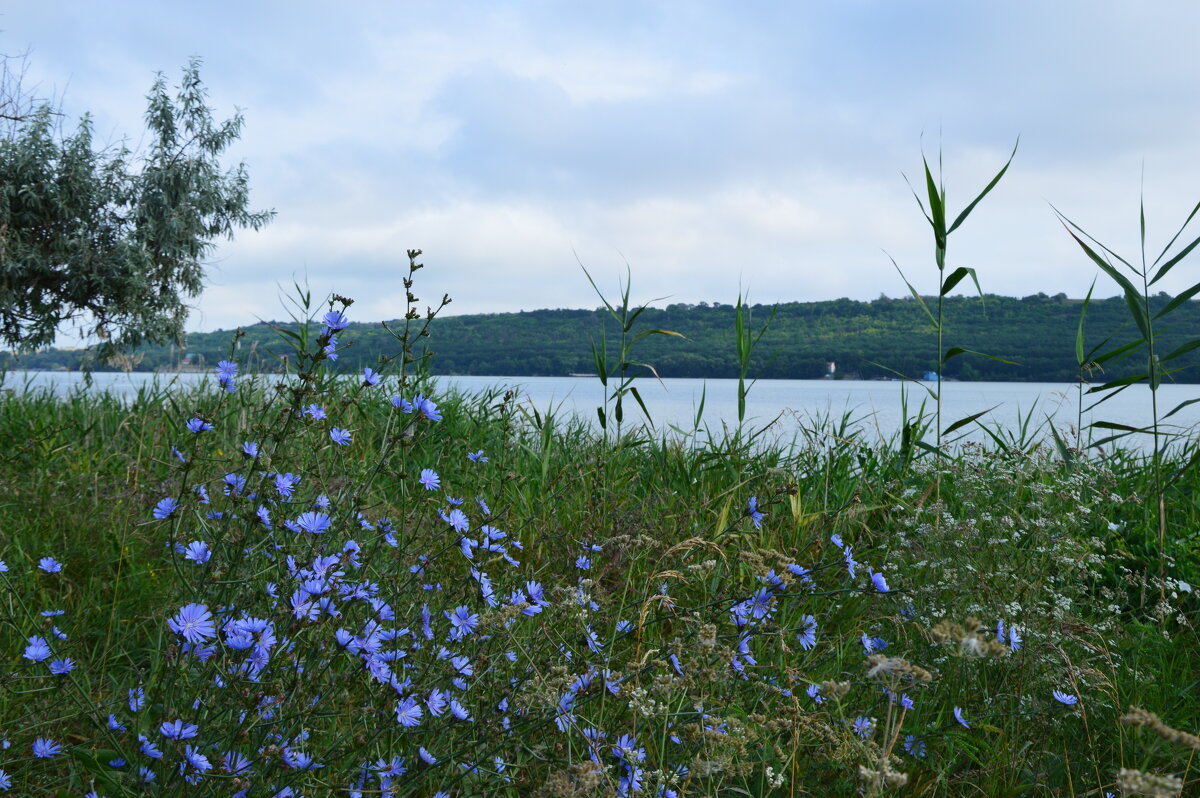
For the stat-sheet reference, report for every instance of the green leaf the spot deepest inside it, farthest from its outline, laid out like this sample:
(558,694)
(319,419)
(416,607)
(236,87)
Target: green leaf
(1079,358)
(1130,380)
(937,207)
(962,217)
(1174,239)
(1133,299)
(600,359)
(645,333)
(1180,406)
(913,291)
(956,277)
(1179,300)
(1166,267)
(1118,353)
(955,351)
(1064,451)
(1183,349)
(1117,426)
(962,422)
(638,397)
(929,448)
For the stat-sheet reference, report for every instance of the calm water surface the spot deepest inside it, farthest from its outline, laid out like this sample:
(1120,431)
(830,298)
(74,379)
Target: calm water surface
(789,406)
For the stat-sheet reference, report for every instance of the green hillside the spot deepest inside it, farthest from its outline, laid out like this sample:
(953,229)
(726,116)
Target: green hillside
(869,340)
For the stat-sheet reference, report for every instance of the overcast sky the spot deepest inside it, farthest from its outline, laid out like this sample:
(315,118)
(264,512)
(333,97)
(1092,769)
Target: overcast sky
(708,145)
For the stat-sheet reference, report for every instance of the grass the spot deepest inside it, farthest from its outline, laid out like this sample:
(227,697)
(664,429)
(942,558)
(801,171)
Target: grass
(685,604)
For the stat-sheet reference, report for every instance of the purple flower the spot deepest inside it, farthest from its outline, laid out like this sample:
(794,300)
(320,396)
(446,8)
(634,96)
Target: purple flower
(958,716)
(914,747)
(60,666)
(45,748)
(459,711)
(148,747)
(409,712)
(458,519)
(1065,698)
(286,484)
(178,730)
(863,726)
(197,551)
(226,371)
(50,565)
(851,563)
(436,702)
(314,411)
(330,349)
(235,484)
(235,764)
(427,407)
(198,425)
(808,636)
(194,623)
(335,320)
(370,378)
(880,583)
(430,479)
(463,622)
(872,644)
(313,522)
(165,508)
(38,649)
(340,436)
(299,760)
(402,403)
(250,449)
(197,760)
(478,457)
(755,516)
(137,699)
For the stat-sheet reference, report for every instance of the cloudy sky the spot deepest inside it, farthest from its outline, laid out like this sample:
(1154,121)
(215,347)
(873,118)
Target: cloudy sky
(708,145)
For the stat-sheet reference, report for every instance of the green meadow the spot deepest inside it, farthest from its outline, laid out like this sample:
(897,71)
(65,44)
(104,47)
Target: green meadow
(982,621)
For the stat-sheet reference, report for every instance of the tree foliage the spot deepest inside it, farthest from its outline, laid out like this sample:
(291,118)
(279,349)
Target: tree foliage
(869,340)
(109,239)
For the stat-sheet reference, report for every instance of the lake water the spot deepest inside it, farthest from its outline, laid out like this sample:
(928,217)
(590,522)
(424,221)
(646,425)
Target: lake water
(792,405)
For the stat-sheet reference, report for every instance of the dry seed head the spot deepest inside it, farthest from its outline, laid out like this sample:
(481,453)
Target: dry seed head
(881,777)
(1136,782)
(878,665)
(1141,717)
(835,689)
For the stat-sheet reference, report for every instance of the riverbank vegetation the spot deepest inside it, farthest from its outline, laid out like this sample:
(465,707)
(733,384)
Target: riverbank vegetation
(361,585)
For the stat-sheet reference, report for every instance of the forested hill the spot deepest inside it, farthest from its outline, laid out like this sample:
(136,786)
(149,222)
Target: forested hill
(869,340)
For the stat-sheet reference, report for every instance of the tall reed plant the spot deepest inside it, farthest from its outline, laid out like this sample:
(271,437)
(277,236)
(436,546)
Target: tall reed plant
(1136,277)
(936,215)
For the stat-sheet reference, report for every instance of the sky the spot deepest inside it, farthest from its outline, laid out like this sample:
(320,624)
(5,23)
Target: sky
(710,148)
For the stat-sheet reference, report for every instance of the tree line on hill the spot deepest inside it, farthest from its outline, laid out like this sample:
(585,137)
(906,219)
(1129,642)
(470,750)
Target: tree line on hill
(879,339)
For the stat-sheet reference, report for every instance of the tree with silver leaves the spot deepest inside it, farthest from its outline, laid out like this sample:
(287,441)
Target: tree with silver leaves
(106,239)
